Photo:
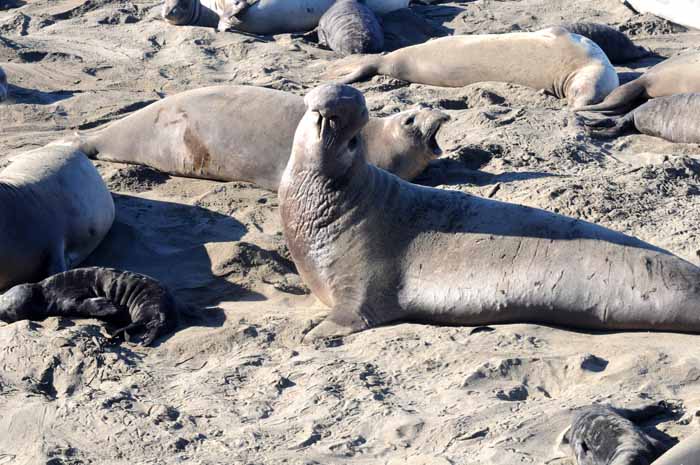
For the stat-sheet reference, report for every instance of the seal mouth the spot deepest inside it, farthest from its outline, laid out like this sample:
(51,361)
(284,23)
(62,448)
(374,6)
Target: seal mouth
(432,132)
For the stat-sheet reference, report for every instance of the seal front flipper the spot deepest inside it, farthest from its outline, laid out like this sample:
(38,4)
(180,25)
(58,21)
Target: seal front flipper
(148,331)
(342,321)
(97,307)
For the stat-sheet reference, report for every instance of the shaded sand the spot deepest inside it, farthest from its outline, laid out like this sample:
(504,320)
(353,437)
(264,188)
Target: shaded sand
(234,385)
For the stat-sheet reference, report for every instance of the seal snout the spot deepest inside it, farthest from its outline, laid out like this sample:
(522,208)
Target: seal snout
(341,110)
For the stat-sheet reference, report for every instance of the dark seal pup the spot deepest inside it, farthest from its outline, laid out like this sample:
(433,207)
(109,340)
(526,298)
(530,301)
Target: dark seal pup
(122,297)
(672,118)
(604,435)
(350,27)
(379,249)
(677,75)
(616,45)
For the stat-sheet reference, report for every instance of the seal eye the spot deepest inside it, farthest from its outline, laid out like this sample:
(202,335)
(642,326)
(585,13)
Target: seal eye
(352,145)
(408,121)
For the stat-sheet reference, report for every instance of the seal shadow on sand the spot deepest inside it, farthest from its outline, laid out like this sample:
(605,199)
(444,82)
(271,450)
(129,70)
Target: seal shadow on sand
(22,95)
(447,172)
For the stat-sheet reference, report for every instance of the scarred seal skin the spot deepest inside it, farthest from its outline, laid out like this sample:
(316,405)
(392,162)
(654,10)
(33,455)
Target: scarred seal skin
(377,249)
(566,65)
(350,27)
(139,302)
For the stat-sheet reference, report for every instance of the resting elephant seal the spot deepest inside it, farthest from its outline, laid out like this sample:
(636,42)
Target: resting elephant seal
(603,435)
(677,75)
(245,133)
(672,118)
(378,249)
(3,85)
(616,45)
(350,27)
(564,64)
(125,298)
(54,211)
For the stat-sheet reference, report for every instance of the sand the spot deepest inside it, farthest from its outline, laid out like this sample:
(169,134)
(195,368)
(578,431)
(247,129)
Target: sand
(234,385)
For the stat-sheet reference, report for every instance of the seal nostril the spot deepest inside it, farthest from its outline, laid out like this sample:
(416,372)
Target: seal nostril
(352,145)
(410,120)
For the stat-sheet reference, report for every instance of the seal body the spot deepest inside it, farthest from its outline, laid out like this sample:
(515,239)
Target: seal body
(54,211)
(3,85)
(378,249)
(203,13)
(245,133)
(122,297)
(602,435)
(672,118)
(567,65)
(350,27)
(677,75)
(616,45)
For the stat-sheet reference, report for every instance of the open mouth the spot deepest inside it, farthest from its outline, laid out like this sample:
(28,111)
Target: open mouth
(432,142)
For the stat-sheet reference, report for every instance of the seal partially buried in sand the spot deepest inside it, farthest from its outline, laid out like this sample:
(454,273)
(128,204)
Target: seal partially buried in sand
(138,302)
(350,27)
(377,249)
(245,133)
(677,75)
(567,65)
(54,211)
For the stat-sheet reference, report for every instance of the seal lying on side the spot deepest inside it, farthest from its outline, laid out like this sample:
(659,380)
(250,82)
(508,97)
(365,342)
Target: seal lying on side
(122,297)
(3,85)
(203,13)
(685,453)
(616,45)
(378,249)
(245,133)
(564,64)
(603,435)
(350,27)
(677,75)
(54,211)
(672,118)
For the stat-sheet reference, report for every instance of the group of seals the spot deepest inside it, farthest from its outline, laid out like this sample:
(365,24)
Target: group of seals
(139,302)
(377,249)
(245,133)
(350,27)
(564,64)
(55,209)
(3,85)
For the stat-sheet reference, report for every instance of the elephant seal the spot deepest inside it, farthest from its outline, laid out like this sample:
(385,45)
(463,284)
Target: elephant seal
(564,64)
(616,45)
(214,133)
(687,452)
(125,298)
(3,85)
(350,27)
(378,249)
(672,118)
(677,75)
(54,211)
(604,435)
(203,13)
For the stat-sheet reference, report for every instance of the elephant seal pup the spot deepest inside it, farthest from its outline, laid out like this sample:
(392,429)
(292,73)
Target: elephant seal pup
(350,27)
(3,85)
(672,118)
(122,297)
(564,64)
(378,249)
(603,435)
(214,133)
(54,211)
(616,45)
(687,452)
(203,13)
(677,75)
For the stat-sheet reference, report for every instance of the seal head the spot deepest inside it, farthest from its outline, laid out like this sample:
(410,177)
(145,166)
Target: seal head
(20,302)
(181,12)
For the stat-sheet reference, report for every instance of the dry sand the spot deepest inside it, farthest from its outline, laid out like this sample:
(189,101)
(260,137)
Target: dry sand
(234,385)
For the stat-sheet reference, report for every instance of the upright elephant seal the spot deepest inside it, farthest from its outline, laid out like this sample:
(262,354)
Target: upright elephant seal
(378,249)
(138,302)
(616,45)
(54,211)
(245,133)
(567,65)
(673,118)
(350,27)
(603,435)
(677,75)
(3,85)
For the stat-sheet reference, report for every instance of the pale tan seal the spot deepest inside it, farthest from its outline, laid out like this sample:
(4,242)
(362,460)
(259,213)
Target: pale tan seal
(567,65)
(54,211)
(378,249)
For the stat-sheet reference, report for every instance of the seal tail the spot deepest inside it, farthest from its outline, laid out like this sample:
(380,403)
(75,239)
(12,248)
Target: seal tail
(358,68)
(618,101)
(610,127)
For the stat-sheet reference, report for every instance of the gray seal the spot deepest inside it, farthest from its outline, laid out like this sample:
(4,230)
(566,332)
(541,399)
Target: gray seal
(350,27)
(3,85)
(136,302)
(616,45)
(377,249)
(672,118)
(194,12)
(54,211)
(677,75)
(245,133)
(566,65)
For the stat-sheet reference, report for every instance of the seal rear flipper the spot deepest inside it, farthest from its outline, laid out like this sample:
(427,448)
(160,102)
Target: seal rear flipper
(355,69)
(620,100)
(611,127)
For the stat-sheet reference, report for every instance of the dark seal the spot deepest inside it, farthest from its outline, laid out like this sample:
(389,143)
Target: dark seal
(617,46)
(350,27)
